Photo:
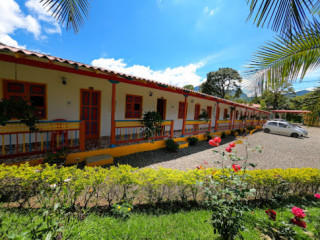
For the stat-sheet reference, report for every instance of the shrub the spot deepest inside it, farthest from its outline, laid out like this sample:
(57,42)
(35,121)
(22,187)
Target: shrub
(223,135)
(250,128)
(193,141)
(238,131)
(171,145)
(233,132)
(208,136)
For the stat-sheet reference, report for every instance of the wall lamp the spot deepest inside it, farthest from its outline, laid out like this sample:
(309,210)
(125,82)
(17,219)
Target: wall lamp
(64,80)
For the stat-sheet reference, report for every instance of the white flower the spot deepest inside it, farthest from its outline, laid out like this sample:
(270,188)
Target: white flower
(67,180)
(53,185)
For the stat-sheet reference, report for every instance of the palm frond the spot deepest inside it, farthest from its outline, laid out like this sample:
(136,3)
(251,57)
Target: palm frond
(281,15)
(286,59)
(71,12)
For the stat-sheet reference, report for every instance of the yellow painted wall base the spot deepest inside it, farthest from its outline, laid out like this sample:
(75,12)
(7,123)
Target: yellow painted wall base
(183,144)
(122,150)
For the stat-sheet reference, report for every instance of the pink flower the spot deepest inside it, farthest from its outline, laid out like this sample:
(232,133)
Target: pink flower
(229,149)
(236,167)
(272,214)
(300,223)
(205,162)
(232,145)
(217,140)
(212,143)
(317,195)
(298,212)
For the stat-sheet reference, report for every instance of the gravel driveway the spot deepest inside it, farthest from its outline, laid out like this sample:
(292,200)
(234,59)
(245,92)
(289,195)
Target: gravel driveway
(278,152)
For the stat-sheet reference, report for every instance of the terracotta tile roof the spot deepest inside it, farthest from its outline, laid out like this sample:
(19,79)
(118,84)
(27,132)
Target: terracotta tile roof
(290,111)
(5,48)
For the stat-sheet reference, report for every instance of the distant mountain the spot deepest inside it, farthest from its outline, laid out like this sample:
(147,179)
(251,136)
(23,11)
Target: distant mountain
(298,93)
(243,96)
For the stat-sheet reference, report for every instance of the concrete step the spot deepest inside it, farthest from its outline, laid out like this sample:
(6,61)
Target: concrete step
(183,144)
(99,160)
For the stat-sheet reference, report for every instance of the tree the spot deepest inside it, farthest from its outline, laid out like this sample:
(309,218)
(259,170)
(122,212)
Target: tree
(189,86)
(71,12)
(311,102)
(295,50)
(275,97)
(223,83)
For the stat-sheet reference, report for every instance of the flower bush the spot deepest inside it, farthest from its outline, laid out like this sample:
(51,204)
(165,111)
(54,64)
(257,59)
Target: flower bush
(111,185)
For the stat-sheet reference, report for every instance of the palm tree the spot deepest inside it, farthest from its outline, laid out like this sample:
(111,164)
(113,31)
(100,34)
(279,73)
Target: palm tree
(295,50)
(69,12)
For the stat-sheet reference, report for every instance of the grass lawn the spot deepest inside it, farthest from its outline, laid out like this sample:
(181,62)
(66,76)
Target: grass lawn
(183,224)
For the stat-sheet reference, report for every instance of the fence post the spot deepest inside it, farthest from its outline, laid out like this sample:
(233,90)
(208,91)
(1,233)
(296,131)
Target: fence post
(82,136)
(171,128)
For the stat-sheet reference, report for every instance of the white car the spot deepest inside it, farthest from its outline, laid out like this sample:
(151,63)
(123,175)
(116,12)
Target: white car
(284,128)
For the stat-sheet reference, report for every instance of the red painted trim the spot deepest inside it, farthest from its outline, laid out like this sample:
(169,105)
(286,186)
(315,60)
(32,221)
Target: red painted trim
(185,115)
(217,117)
(113,111)
(108,76)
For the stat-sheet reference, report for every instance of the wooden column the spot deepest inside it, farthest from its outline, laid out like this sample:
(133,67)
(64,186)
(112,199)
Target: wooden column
(234,119)
(113,112)
(185,114)
(217,117)
(231,118)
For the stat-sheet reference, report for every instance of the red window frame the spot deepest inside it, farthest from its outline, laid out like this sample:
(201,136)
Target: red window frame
(27,90)
(132,101)
(181,110)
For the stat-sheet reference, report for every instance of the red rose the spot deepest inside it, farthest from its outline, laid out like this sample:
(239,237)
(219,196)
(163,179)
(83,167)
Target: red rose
(236,167)
(272,214)
(228,149)
(317,195)
(232,145)
(213,143)
(298,212)
(217,140)
(29,103)
(298,222)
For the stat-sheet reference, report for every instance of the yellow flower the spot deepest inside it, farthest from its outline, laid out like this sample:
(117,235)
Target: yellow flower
(129,209)
(119,207)
(90,190)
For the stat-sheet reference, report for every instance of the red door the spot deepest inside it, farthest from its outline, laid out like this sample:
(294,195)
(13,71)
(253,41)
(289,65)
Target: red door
(90,112)
(196,111)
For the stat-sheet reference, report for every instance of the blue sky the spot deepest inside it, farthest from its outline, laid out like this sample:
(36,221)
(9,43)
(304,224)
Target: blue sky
(173,41)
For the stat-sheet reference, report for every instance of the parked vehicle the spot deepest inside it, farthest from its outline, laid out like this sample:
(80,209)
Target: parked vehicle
(284,128)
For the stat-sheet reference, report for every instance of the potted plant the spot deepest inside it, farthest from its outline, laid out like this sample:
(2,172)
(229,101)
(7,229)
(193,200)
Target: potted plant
(57,157)
(204,115)
(152,124)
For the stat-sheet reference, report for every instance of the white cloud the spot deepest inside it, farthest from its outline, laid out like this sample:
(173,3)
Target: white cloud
(11,19)
(43,15)
(179,76)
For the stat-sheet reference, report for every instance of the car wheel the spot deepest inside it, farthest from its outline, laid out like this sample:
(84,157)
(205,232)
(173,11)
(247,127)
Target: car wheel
(267,130)
(295,135)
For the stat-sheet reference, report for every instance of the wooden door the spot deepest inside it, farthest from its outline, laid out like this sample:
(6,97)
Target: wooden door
(196,111)
(90,112)
(161,107)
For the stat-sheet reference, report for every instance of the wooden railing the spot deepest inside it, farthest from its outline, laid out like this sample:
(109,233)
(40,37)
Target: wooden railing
(256,123)
(133,131)
(197,126)
(248,123)
(17,140)
(237,124)
(223,125)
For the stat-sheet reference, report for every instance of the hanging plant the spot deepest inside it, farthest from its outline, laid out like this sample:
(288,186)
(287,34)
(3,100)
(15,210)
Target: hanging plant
(204,115)
(18,109)
(152,124)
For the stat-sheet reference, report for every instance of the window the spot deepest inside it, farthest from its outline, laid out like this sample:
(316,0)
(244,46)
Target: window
(209,112)
(283,125)
(225,114)
(273,124)
(33,92)
(181,110)
(133,106)
(237,114)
